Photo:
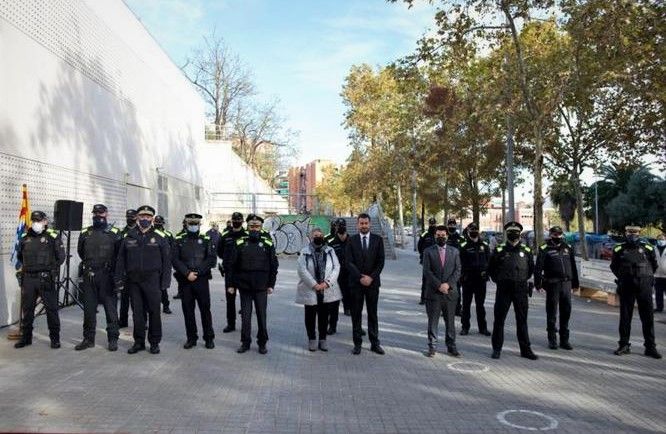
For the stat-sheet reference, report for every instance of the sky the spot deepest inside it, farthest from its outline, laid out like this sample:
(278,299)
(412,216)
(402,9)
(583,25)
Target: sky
(298,51)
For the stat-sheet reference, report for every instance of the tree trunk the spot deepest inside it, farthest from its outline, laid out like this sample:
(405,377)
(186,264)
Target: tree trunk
(579,210)
(476,206)
(538,187)
(422,216)
(401,219)
(567,225)
(503,209)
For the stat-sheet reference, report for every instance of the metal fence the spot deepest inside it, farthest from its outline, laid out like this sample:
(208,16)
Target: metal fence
(222,204)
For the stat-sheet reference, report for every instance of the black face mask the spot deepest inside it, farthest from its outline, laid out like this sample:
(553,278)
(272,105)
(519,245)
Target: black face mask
(474,234)
(452,229)
(318,241)
(145,223)
(236,224)
(342,230)
(512,236)
(441,241)
(432,229)
(99,222)
(131,222)
(255,235)
(556,240)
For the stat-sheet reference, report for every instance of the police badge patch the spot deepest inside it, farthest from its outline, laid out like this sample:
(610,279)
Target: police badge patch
(199,241)
(522,254)
(42,240)
(152,240)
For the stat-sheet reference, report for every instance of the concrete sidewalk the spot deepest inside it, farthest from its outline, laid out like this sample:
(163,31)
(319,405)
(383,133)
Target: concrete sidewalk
(293,390)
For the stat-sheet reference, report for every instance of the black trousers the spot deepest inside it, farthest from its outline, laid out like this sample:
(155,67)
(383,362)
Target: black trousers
(369,295)
(422,287)
(318,315)
(643,297)
(343,282)
(474,287)
(98,289)
(260,300)
(507,294)
(125,303)
(558,294)
(36,285)
(231,308)
(165,299)
(333,314)
(660,289)
(442,305)
(197,293)
(146,297)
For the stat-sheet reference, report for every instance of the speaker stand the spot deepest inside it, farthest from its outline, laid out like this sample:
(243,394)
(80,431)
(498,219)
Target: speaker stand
(67,284)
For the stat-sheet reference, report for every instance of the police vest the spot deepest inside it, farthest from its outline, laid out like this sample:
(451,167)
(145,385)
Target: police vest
(513,263)
(634,262)
(254,255)
(99,247)
(143,252)
(556,261)
(474,255)
(38,251)
(193,250)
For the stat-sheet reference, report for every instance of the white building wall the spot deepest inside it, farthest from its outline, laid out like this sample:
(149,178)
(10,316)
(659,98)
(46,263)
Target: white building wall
(91,109)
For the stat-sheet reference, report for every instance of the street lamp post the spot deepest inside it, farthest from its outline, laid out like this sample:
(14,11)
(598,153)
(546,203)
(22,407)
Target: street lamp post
(596,208)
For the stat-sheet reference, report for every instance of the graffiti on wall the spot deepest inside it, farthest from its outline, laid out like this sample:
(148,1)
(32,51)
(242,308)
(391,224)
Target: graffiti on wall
(291,232)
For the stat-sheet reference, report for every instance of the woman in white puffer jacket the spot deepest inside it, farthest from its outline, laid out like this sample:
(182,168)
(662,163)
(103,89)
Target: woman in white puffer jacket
(317,289)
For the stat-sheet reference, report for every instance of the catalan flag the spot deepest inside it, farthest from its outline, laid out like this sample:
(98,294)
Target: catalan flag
(23,223)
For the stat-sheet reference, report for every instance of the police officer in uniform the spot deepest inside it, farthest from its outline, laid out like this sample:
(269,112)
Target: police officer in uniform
(225,247)
(178,295)
(193,258)
(634,263)
(41,254)
(426,239)
(123,316)
(98,249)
(331,234)
(474,257)
(144,267)
(511,265)
(455,239)
(338,242)
(159,225)
(556,272)
(252,269)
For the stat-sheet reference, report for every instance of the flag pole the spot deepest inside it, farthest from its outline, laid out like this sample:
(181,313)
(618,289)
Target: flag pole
(15,332)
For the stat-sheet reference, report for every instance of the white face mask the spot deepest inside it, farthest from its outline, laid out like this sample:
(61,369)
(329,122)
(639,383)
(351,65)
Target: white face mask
(38,227)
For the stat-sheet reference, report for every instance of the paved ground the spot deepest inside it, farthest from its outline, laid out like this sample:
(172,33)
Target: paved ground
(293,390)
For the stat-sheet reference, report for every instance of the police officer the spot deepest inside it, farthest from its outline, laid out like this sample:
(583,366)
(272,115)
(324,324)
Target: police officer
(98,248)
(178,295)
(455,239)
(41,254)
(144,266)
(225,247)
(474,257)
(634,263)
(123,316)
(332,232)
(193,258)
(556,272)
(159,223)
(252,269)
(338,242)
(426,239)
(511,265)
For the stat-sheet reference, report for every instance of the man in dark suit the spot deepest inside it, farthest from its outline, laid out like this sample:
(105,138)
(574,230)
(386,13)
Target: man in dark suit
(365,261)
(441,272)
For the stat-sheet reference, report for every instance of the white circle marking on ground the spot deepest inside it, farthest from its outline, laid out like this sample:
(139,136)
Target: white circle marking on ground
(552,422)
(478,367)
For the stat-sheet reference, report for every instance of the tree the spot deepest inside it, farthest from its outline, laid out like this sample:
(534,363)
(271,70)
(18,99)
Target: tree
(465,26)
(562,196)
(221,79)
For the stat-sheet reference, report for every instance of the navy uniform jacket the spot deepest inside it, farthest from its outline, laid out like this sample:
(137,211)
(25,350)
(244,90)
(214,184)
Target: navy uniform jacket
(193,252)
(40,252)
(144,254)
(251,265)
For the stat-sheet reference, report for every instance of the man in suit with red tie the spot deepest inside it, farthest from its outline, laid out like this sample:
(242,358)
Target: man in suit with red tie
(441,272)
(365,261)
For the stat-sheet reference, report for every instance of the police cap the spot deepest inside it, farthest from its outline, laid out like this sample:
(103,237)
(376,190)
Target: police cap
(130,213)
(432,221)
(451,222)
(145,210)
(472,227)
(237,216)
(513,226)
(254,219)
(99,208)
(37,216)
(193,218)
(632,228)
(556,230)
(159,220)
(341,222)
